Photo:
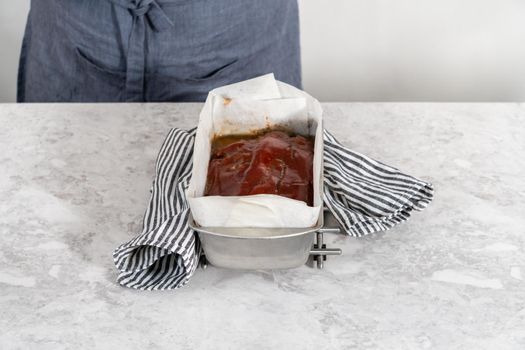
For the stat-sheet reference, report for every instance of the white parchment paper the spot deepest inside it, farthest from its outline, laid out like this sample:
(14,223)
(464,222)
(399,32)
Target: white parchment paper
(241,108)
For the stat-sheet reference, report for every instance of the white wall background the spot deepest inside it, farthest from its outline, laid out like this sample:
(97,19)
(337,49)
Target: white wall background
(380,50)
(12,24)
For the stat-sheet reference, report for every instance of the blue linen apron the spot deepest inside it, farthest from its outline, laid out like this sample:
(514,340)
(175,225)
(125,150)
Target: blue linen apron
(146,50)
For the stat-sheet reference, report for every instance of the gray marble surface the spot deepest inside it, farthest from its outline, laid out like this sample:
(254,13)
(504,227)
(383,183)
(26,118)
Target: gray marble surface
(74,183)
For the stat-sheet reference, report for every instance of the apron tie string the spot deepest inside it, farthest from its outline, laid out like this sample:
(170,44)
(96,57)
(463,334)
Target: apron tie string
(136,60)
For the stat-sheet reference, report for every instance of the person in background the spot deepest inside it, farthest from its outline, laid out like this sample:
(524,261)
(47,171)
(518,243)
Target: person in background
(146,50)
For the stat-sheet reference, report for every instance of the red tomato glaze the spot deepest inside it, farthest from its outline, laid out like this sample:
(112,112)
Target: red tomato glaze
(269,163)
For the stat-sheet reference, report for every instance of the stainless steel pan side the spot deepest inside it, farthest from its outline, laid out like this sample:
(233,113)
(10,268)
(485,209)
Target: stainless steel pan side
(257,248)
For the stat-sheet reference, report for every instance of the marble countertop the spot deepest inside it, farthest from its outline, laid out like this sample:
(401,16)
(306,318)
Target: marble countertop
(74,183)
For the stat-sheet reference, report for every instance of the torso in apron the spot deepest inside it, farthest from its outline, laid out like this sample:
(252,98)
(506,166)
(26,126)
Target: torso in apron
(122,50)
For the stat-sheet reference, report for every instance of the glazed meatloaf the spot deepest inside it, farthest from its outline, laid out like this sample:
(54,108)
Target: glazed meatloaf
(267,162)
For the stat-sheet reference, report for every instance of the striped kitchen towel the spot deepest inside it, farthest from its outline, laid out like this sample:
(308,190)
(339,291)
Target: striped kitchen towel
(363,194)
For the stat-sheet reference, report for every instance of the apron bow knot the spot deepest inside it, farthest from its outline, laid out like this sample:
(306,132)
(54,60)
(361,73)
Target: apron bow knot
(150,8)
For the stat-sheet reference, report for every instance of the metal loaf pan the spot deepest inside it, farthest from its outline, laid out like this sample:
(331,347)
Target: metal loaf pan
(253,248)
(257,248)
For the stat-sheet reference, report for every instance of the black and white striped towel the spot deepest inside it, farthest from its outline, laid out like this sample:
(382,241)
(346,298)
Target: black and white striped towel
(364,195)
